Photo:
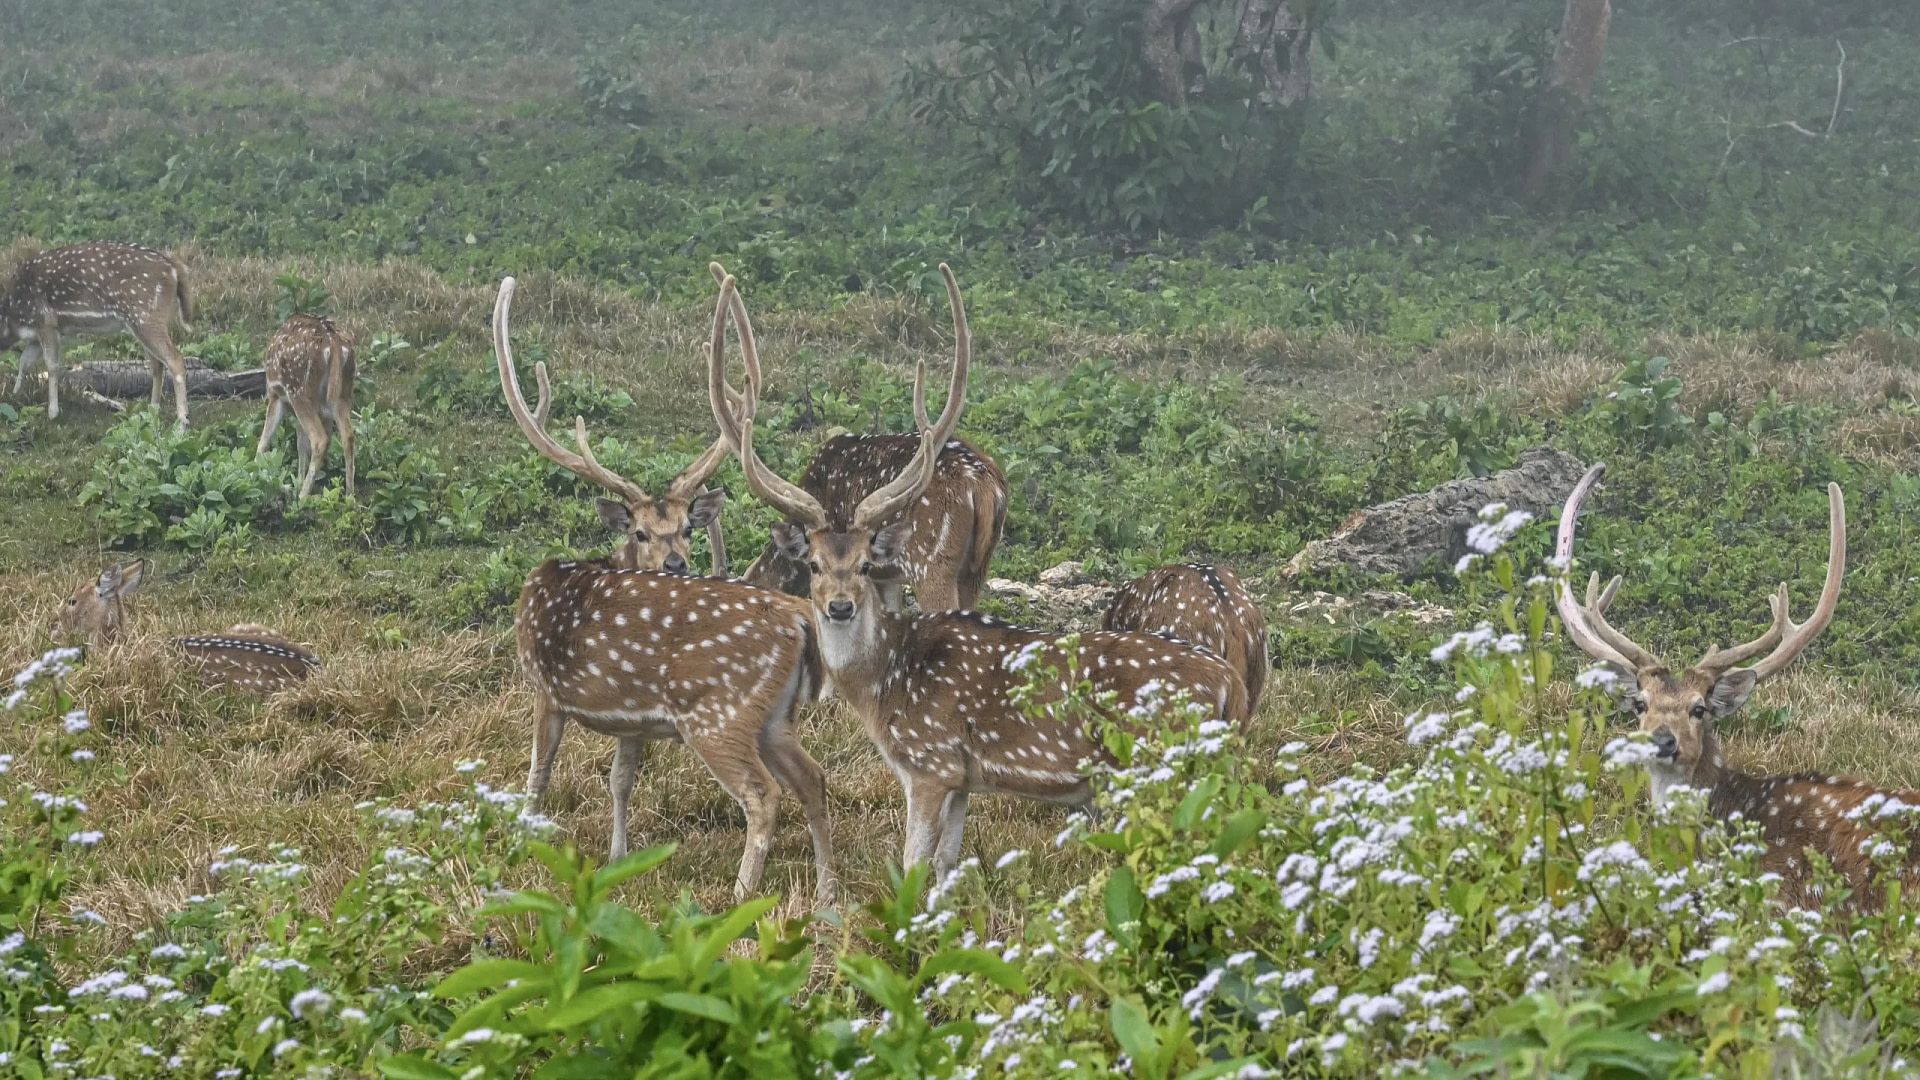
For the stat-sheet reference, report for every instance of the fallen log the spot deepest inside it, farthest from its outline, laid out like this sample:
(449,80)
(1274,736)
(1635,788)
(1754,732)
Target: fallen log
(130,380)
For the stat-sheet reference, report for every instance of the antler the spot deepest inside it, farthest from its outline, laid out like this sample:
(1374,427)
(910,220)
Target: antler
(533,426)
(1795,637)
(792,503)
(885,504)
(1588,625)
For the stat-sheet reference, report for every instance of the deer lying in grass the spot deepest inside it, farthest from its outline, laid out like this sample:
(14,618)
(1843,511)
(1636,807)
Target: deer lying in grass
(1831,815)
(247,657)
(1202,604)
(310,367)
(957,520)
(657,531)
(934,691)
(644,655)
(98,288)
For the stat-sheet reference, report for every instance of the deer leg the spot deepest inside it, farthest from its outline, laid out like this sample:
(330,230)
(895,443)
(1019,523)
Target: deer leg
(797,772)
(731,755)
(155,338)
(926,805)
(29,356)
(953,819)
(549,724)
(276,411)
(343,419)
(313,430)
(628,754)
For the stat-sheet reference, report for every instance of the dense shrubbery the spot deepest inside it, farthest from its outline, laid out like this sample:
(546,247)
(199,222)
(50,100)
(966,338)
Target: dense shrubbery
(1500,904)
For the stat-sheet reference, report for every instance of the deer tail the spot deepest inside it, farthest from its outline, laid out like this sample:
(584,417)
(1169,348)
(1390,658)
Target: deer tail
(182,294)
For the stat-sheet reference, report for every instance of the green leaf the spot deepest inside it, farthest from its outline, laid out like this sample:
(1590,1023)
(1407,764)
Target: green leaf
(731,927)
(590,1005)
(1216,1068)
(1187,814)
(1124,905)
(700,1005)
(486,974)
(1135,1032)
(526,903)
(415,1066)
(1239,827)
(632,866)
(974,962)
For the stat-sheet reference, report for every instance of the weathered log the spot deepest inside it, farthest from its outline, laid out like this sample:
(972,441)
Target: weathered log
(131,380)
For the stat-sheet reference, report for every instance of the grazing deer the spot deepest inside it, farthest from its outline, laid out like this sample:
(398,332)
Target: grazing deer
(934,691)
(310,367)
(246,657)
(657,531)
(957,520)
(644,655)
(98,288)
(1202,604)
(1799,814)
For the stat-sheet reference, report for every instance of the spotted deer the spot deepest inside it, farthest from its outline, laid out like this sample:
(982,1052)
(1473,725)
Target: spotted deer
(934,691)
(310,368)
(248,657)
(957,520)
(1798,814)
(647,655)
(1202,604)
(93,289)
(657,532)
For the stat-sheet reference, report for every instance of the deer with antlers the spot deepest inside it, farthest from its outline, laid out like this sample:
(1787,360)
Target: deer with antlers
(248,657)
(957,520)
(657,532)
(1830,815)
(935,692)
(644,655)
(310,368)
(93,289)
(1202,604)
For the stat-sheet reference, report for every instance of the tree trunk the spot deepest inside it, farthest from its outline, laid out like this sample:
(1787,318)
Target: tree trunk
(1576,64)
(127,380)
(1161,25)
(1267,29)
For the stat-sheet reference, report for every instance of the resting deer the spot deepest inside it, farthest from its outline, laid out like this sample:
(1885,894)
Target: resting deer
(644,655)
(1797,814)
(957,520)
(310,367)
(98,288)
(246,657)
(933,690)
(657,531)
(1202,604)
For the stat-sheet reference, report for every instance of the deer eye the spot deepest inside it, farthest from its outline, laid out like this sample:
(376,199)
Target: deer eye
(1699,710)
(813,566)
(639,536)
(1640,706)
(866,568)
(71,602)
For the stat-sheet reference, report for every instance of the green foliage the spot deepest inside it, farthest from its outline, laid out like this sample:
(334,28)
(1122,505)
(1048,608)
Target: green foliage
(1061,97)
(611,94)
(1643,410)
(152,482)
(450,388)
(1430,442)
(298,296)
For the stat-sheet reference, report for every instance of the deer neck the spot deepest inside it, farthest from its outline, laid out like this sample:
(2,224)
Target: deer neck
(858,656)
(1709,773)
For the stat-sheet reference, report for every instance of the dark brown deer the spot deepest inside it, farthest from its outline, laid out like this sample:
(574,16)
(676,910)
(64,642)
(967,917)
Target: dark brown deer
(657,532)
(248,657)
(97,288)
(310,367)
(934,691)
(644,655)
(1202,604)
(1800,814)
(957,520)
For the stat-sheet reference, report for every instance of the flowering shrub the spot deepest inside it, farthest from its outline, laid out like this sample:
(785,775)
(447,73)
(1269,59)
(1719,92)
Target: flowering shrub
(1504,903)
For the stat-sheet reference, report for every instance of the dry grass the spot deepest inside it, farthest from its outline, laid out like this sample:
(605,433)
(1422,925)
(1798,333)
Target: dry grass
(388,718)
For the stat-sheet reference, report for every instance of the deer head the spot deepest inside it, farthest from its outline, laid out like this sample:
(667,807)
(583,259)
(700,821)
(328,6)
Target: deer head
(1679,709)
(842,557)
(96,611)
(657,531)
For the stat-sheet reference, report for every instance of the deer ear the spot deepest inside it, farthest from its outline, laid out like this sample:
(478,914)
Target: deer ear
(790,540)
(1730,691)
(702,511)
(614,515)
(890,543)
(121,580)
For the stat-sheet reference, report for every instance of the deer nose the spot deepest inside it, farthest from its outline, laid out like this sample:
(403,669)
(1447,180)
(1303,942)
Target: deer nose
(1665,744)
(676,563)
(840,610)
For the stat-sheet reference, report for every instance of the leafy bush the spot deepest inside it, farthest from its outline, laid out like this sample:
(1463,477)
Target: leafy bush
(1061,97)
(447,387)
(298,296)
(612,94)
(152,482)
(1430,442)
(1643,410)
